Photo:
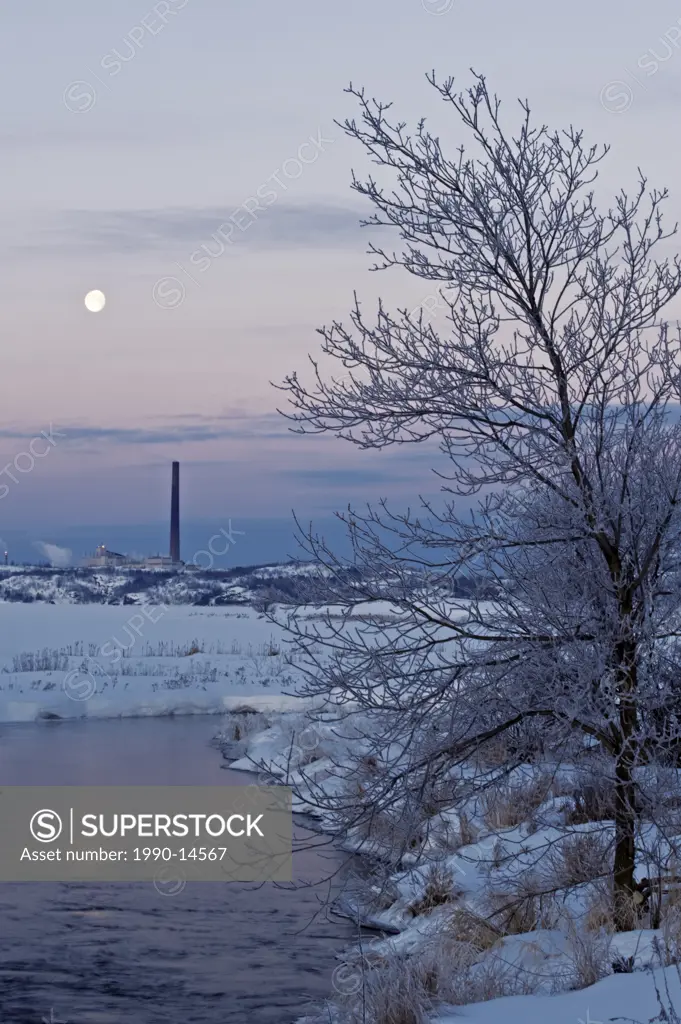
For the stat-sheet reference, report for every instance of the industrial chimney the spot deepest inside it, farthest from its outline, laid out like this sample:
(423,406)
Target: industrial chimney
(175,514)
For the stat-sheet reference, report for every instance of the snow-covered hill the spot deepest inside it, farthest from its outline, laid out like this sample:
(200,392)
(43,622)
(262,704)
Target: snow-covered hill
(251,585)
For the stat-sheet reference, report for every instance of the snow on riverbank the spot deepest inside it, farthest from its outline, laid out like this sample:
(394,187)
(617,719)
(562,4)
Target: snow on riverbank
(624,997)
(101,661)
(554,961)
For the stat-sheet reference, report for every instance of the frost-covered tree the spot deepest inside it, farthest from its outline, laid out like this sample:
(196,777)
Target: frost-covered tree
(552,389)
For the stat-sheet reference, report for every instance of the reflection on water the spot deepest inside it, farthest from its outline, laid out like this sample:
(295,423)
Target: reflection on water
(219,953)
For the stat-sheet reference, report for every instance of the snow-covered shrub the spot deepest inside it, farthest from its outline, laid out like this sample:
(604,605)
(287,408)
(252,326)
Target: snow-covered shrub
(455,973)
(580,857)
(387,832)
(521,905)
(468,832)
(590,957)
(47,660)
(394,993)
(593,800)
(669,943)
(440,795)
(444,965)
(242,724)
(406,990)
(367,890)
(464,926)
(440,888)
(507,805)
(495,754)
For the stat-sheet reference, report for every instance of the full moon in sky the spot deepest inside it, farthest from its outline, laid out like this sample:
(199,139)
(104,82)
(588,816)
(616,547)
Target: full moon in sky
(95,301)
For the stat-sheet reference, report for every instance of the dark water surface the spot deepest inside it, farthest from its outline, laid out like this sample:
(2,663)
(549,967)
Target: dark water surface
(113,953)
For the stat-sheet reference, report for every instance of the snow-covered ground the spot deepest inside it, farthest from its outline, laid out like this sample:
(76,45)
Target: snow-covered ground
(556,959)
(75,661)
(623,997)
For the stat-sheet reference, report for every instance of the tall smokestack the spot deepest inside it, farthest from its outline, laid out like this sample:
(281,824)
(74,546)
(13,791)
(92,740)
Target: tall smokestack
(175,514)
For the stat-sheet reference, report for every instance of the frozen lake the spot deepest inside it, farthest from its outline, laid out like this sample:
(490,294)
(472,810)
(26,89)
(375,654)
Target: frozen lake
(215,953)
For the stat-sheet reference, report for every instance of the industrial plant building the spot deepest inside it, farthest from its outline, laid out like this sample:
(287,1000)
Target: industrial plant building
(104,558)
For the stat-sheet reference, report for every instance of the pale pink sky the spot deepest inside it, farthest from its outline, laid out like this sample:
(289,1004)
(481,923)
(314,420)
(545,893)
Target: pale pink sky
(113,177)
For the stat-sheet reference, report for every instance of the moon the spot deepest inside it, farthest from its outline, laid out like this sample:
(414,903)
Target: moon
(95,301)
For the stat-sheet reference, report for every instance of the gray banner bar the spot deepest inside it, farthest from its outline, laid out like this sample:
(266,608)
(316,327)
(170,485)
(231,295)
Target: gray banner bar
(165,834)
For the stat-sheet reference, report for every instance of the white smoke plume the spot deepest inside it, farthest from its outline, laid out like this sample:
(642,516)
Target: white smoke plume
(58,557)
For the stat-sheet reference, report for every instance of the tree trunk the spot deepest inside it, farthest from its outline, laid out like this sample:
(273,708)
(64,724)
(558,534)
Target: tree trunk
(625,859)
(625,791)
